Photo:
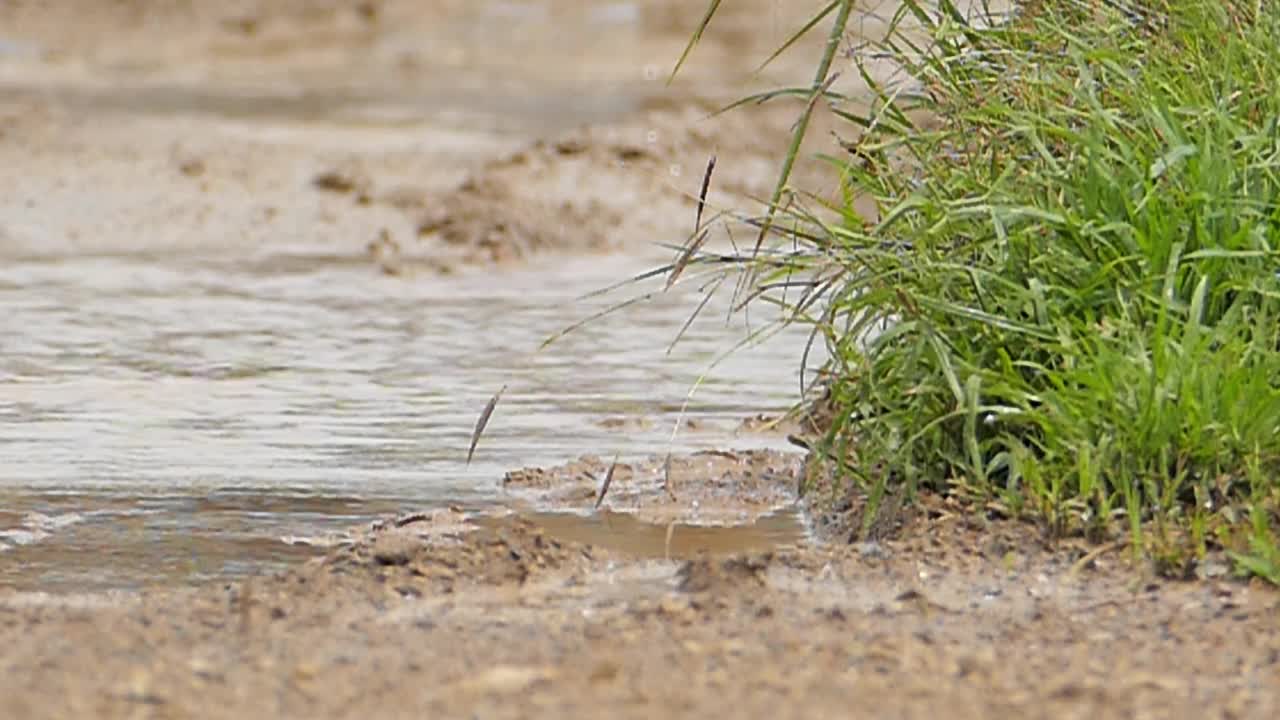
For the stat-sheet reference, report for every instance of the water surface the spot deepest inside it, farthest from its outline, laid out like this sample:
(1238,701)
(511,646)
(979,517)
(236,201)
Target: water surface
(170,410)
(181,414)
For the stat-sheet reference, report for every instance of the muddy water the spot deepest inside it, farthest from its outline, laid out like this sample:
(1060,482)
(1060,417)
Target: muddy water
(174,418)
(623,532)
(174,402)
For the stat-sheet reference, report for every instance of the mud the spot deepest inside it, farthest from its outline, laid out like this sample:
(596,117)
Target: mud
(307,133)
(212,212)
(448,614)
(716,487)
(179,126)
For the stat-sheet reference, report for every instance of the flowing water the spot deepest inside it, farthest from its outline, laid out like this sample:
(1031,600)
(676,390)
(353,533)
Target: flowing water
(175,417)
(170,416)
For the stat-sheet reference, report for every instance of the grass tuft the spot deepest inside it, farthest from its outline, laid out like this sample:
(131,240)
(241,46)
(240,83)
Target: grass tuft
(1065,303)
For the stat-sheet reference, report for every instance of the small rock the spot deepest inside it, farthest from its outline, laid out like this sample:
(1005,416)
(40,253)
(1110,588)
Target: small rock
(508,679)
(604,672)
(673,606)
(192,168)
(871,550)
(1211,568)
(392,549)
(341,183)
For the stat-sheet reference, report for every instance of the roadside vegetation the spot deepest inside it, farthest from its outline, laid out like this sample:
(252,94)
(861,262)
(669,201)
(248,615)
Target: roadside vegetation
(1065,305)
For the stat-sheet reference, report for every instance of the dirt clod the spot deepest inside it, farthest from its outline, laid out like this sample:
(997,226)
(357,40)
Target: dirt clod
(336,182)
(705,575)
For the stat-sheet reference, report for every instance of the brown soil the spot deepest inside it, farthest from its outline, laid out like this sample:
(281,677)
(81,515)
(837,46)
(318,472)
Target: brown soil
(710,487)
(646,607)
(223,127)
(440,615)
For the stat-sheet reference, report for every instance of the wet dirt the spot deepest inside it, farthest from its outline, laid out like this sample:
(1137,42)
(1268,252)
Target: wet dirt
(326,165)
(422,136)
(723,488)
(249,255)
(450,614)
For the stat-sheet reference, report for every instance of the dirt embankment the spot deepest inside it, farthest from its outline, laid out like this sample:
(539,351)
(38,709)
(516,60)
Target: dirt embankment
(444,615)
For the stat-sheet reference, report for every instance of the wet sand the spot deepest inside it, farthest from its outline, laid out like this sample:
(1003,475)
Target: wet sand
(649,605)
(411,138)
(710,590)
(507,615)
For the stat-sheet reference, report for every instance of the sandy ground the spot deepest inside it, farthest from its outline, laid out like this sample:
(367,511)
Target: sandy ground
(333,129)
(284,132)
(444,615)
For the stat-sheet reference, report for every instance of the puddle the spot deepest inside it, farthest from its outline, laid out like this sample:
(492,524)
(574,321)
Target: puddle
(243,407)
(623,532)
(193,367)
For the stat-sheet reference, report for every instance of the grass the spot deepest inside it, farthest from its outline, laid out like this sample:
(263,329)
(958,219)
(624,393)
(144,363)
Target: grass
(1065,305)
